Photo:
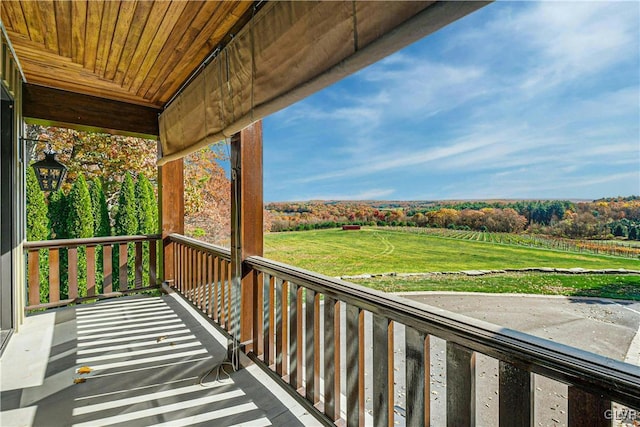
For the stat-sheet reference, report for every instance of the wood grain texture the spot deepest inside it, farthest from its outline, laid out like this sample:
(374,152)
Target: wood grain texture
(34,277)
(58,106)
(78,31)
(134,51)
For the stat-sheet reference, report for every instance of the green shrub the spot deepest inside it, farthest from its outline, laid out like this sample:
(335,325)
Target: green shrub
(126,224)
(38,228)
(80,225)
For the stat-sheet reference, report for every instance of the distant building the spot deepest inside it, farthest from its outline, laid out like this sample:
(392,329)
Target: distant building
(351,227)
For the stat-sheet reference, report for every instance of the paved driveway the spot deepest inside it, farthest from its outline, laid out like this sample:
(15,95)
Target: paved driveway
(607,327)
(602,326)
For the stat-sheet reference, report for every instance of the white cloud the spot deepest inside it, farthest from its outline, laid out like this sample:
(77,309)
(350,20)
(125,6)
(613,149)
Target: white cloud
(535,87)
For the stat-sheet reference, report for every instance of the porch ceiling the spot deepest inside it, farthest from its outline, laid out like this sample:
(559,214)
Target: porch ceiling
(132,51)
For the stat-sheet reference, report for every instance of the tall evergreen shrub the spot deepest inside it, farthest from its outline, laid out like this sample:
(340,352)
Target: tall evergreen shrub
(147,212)
(126,224)
(101,225)
(58,211)
(38,228)
(80,225)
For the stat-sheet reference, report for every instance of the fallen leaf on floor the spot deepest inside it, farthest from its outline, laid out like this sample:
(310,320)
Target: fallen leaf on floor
(172,344)
(79,380)
(162,338)
(84,370)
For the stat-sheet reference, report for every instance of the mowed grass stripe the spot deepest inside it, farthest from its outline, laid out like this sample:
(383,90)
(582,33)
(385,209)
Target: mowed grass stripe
(337,253)
(591,285)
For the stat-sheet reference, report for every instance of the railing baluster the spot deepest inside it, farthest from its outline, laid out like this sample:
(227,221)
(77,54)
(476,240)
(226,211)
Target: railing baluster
(209,283)
(331,358)
(203,280)
(54,275)
(123,258)
(461,378)
(187,272)
(281,327)
(258,314)
(199,282)
(194,275)
(418,371)
(266,320)
(91,270)
(72,269)
(309,341)
(107,279)
(383,391)
(272,320)
(587,409)
(180,269)
(138,265)
(190,271)
(216,288)
(153,253)
(34,276)
(355,366)
(516,396)
(223,278)
(295,336)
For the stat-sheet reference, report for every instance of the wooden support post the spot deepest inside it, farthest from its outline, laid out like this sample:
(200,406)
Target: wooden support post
(171,204)
(246,219)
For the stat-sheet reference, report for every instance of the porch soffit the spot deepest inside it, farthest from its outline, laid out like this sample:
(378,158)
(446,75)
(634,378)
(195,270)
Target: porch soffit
(137,52)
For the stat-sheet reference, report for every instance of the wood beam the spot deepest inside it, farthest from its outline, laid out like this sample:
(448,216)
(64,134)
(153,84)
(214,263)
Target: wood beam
(54,107)
(246,218)
(171,204)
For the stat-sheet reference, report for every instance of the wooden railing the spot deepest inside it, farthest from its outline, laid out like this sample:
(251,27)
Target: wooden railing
(129,249)
(309,328)
(203,276)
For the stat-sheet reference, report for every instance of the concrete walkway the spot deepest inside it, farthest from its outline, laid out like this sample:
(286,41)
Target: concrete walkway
(147,356)
(603,326)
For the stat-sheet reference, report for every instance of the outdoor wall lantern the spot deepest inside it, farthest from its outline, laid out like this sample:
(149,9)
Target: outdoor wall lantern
(49,171)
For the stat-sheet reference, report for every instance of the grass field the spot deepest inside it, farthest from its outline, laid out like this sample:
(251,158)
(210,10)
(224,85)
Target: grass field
(372,251)
(338,253)
(599,285)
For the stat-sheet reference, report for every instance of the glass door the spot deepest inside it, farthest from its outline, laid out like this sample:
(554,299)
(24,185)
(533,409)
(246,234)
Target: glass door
(7,238)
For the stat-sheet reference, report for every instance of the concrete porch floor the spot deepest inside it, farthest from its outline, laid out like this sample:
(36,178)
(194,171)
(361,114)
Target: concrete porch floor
(147,356)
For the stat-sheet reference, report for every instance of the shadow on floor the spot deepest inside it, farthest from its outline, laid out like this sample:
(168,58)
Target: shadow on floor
(146,357)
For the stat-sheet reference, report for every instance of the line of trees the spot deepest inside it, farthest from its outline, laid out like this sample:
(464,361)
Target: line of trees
(83,212)
(599,219)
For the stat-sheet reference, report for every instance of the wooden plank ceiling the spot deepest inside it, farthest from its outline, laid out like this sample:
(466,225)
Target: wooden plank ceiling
(132,51)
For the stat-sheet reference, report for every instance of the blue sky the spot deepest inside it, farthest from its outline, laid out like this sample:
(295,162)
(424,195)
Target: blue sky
(517,100)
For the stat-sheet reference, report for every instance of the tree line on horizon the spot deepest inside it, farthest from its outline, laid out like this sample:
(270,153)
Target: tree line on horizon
(598,219)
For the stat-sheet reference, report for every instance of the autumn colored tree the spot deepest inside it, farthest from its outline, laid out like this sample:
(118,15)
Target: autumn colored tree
(96,155)
(207,196)
(126,224)
(79,225)
(38,227)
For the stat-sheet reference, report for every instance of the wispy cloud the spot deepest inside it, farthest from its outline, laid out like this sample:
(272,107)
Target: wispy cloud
(372,194)
(550,88)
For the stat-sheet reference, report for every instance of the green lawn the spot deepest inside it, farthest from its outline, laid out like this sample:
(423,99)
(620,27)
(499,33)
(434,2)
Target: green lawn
(600,285)
(337,253)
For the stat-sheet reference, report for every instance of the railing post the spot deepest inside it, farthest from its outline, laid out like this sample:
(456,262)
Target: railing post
(171,204)
(246,220)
